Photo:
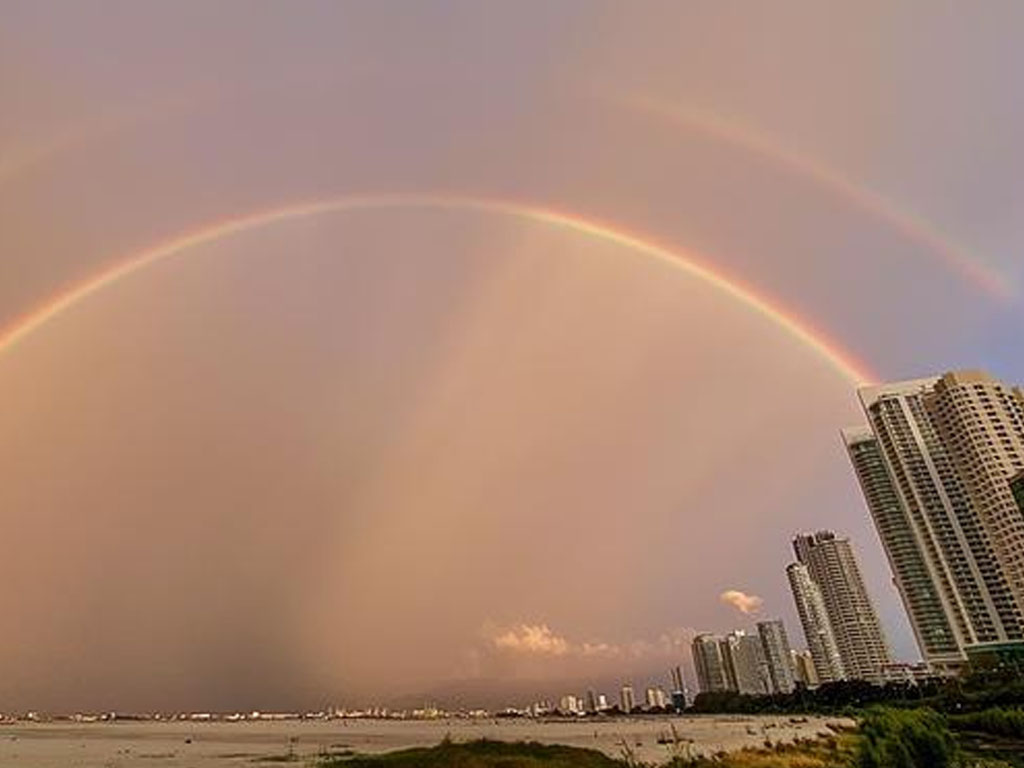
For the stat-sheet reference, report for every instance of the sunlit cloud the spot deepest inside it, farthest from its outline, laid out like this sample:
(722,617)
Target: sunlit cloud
(741,601)
(532,639)
(540,640)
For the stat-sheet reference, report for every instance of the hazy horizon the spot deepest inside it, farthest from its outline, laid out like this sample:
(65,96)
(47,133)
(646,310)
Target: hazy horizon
(466,342)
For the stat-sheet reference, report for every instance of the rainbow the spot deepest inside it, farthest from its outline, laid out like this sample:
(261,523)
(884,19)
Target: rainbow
(828,350)
(912,227)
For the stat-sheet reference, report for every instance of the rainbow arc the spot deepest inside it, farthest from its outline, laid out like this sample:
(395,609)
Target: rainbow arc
(828,350)
(909,226)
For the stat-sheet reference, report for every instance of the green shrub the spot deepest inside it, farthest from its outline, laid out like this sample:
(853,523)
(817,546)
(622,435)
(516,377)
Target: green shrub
(995,721)
(480,754)
(905,738)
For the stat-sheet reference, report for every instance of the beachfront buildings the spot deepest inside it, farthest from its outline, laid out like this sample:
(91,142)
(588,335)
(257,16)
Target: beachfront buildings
(925,587)
(746,670)
(753,664)
(679,697)
(627,699)
(803,668)
(777,655)
(981,422)
(709,664)
(810,607)
(656,698)
(935,464)
(856,628)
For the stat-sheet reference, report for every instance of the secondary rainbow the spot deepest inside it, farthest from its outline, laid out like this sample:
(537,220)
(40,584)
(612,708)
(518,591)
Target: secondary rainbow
(910,226)
(830,351)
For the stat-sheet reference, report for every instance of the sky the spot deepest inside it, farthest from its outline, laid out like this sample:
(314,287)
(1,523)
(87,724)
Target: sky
(361,352)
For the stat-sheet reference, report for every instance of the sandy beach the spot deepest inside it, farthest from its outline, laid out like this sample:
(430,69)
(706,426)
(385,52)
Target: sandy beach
(216,745)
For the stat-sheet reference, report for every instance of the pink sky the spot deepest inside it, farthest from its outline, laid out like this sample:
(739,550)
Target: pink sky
(371,452)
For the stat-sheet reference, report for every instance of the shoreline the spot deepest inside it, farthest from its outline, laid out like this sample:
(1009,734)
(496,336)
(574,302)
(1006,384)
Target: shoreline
(197,744)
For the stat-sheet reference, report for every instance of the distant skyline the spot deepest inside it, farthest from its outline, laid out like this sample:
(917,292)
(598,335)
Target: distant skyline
(356,347)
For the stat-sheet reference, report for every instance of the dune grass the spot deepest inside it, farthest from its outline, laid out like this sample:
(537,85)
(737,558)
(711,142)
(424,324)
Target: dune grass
(483,753)
(833,752)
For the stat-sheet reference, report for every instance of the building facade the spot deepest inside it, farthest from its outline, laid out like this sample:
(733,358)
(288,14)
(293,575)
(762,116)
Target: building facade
(709,663)
(777,654)
(1017,489)
(810,607)
(745,667)
(680,699)
(857,630)
(943,444)
(803,669)
(916,580)
(627,699)
(981,422)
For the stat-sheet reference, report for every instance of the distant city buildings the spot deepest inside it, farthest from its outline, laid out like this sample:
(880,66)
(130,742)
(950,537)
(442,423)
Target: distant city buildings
(679,696)
(810,607)
(777,655)
(938,465)
(627,699)
(570,705)
(803,669)
(855,626)
(751,664)
(745,667)
(709,664)
(656,698)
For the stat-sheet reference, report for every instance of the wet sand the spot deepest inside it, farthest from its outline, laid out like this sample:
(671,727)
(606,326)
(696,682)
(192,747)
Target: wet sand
(224,745)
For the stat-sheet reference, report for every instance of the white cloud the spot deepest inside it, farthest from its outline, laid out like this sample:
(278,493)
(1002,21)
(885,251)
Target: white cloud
(531,639)
(741,601)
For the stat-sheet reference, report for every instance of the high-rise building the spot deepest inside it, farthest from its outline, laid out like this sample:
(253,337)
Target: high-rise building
(710,666)
(981,422)
(777,654)
(944,444)
(656,698)
(677,679)
(745,666)
(1017,489)
(591,701)
(627,701)
(679,695)
(810,607)
(858,632)
(919,585)
(570,705)
(803,668)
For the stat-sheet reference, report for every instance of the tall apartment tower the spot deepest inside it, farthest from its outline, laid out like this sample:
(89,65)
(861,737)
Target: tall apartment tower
(745,666)
(981,422)
(627,699)
(803,667)
(679,697)
(858,632)
(920,467)
(709,663)
(922,587)
(821,641)
(1017,488)
(778,655)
